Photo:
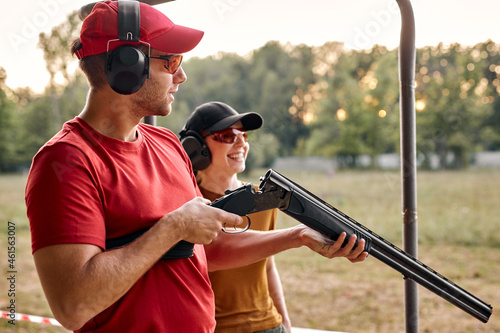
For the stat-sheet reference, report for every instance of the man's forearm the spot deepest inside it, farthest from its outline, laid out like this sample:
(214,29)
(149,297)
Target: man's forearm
(80,280)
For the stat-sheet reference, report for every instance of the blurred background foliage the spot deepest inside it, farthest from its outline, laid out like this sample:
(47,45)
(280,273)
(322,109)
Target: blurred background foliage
(316,100)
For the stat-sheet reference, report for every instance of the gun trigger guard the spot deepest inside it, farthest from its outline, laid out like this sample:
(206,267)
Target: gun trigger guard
(238,231)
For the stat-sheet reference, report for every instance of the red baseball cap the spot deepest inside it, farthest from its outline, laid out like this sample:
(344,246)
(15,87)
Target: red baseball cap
(101,26)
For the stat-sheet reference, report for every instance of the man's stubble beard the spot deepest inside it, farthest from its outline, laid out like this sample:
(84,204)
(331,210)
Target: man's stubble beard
(147,102)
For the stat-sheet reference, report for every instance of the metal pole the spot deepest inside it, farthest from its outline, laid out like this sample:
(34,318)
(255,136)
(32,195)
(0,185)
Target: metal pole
(408,155)
(85,10)
(151,120)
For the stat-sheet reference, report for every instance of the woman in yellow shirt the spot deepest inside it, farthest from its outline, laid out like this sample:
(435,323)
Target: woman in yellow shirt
(249,298)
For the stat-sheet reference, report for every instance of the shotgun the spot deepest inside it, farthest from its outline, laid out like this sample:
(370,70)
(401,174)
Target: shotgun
(277,191)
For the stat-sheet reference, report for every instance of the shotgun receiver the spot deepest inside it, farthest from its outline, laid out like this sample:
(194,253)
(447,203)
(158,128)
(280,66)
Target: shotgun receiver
(277,191)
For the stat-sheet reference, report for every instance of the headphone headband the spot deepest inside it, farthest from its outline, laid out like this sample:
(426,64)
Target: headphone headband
(129,21)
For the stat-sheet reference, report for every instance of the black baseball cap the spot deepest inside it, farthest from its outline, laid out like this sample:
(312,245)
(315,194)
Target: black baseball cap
(216,116)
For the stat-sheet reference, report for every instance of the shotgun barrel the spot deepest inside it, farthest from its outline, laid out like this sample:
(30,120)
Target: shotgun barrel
(310,210)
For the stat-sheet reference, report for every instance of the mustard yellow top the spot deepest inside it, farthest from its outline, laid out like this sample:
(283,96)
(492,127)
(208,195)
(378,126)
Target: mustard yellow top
(242,300)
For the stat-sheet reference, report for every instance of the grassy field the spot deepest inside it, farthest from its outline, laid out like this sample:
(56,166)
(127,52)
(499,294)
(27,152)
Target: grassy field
(458,216)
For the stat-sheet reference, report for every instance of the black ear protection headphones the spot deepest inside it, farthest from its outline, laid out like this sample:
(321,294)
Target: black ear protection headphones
(127,66)
(196,148)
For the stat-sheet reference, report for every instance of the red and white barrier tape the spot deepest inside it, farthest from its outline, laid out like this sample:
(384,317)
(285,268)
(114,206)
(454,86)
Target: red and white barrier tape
(53,322)
(30,318)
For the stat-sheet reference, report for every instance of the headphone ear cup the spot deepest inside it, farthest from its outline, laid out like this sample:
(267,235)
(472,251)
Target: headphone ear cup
(126,69)
(197,150)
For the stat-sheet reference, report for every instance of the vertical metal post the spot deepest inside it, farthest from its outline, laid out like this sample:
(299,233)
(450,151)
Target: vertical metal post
(407,57)
(151,120)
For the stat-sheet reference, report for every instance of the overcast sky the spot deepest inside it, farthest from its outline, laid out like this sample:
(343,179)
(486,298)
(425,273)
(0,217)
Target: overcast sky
(243,25)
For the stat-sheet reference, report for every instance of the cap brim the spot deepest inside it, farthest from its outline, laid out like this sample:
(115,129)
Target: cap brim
(250,121)
(179,39)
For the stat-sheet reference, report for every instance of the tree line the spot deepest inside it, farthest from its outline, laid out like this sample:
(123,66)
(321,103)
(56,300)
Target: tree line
(315,100)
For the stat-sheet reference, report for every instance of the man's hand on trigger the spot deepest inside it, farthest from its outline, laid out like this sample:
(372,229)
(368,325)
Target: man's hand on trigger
(200,223)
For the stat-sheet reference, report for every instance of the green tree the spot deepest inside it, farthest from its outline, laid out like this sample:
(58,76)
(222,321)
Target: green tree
(453,102)
(56,52)
(8,125)
(278,75)
(490,53)
(360,113)
(332,134)
(36,117)
(40,117)
(380,91)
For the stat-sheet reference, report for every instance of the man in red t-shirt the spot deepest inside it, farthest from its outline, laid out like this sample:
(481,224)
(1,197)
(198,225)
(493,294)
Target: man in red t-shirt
(105,176)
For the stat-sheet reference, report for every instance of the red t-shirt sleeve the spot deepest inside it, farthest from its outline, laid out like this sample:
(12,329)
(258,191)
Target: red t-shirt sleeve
(63,203)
